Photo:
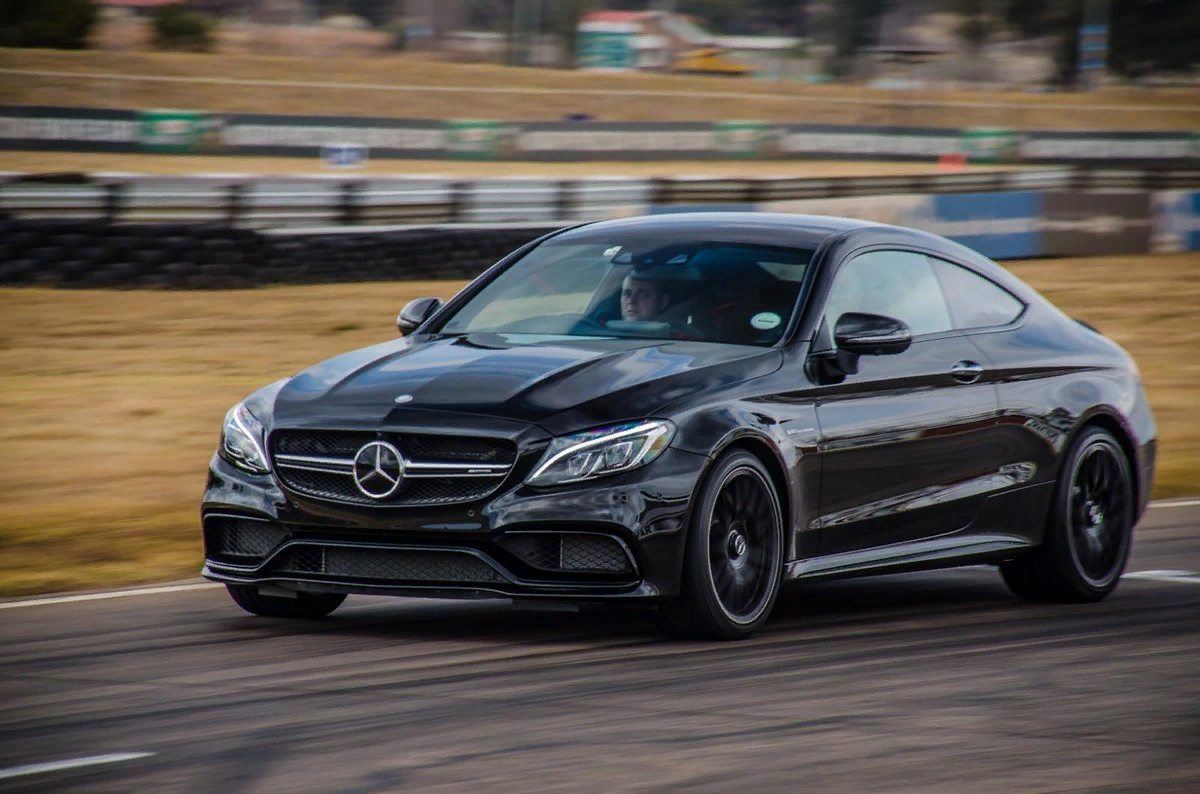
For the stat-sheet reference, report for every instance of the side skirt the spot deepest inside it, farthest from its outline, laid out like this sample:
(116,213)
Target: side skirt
(943,552)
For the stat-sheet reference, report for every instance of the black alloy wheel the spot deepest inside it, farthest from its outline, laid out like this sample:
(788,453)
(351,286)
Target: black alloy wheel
(1089,531)
(734,556)
(305,606)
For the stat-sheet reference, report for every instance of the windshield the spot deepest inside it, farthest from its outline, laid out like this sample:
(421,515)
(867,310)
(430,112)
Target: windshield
(640,286)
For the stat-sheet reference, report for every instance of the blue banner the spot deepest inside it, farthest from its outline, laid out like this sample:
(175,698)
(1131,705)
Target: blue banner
(997,225)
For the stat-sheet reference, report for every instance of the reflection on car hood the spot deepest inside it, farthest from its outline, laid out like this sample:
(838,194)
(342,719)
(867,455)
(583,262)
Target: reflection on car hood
(517,376)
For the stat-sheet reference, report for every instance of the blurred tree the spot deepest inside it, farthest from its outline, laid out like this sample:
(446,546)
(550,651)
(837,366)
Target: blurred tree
(854,25)
(1154,35)
(565,20)
(177,27)
(60,24)
(975,24)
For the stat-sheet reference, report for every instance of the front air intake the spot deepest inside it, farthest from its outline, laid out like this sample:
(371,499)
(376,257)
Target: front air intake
(574,552)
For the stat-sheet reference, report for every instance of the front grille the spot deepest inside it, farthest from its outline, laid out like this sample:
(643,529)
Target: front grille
(398,565)
(568,551)
(242,540)
(320,463)
(413,492)
(415,446)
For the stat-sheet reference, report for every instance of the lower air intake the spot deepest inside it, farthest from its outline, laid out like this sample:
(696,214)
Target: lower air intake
(576,552)
(242,540)
(385,565)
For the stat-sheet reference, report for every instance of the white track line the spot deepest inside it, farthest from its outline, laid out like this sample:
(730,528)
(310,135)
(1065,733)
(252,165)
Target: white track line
(606,92)
(1176,503)
(1179,577)
(67,599)
(70,763)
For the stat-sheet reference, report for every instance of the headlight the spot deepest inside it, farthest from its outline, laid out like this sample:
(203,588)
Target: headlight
(241,440)
(607,450)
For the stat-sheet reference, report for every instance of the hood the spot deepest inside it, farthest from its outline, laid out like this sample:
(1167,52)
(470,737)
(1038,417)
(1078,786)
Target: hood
(515,376)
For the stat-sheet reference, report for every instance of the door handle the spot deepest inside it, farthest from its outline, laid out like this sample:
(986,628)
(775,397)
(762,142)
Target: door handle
(966,371)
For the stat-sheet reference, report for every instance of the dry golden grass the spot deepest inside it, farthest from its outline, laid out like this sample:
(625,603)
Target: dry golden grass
(1114,109)
(112,401)
(92,162)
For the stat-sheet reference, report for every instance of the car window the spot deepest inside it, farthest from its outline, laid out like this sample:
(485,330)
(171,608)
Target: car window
(974,301)
(642,286)
(897,284)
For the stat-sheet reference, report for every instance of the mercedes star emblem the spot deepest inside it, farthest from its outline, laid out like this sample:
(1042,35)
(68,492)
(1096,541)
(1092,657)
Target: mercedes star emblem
(378,469)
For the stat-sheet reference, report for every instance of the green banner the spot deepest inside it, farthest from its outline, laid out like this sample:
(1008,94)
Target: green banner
(178,131)
(746,139)
(602,49)
(991,145)
(480,140)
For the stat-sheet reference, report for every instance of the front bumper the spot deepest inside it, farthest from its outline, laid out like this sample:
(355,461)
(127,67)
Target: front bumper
(615,538)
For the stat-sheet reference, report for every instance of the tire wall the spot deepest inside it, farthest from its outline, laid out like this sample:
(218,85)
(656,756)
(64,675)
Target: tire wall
(93,254)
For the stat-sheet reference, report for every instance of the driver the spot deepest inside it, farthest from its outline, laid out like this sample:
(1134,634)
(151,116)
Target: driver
(642,298)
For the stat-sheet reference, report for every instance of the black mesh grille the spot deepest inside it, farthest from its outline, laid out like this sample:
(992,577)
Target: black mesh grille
(415,447)
(568,552)
(321,443)
(243,540)
(593,553)
(385,565)
(419,447)
(414,491)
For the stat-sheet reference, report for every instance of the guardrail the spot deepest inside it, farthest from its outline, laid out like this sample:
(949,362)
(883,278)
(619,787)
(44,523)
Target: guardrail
(272,203)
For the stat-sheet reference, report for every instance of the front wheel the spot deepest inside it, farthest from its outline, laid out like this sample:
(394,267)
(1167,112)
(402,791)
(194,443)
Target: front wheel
(733,561)
(306,606)
(1089,531)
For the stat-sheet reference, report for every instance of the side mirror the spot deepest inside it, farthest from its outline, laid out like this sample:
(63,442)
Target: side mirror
(416,312)
(865,334)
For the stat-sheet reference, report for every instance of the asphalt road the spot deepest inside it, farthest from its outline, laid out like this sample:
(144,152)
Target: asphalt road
(933,683)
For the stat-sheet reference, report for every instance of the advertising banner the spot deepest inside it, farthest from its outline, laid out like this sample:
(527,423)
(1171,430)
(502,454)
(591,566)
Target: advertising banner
(1176,221)
(178,131)
(601,140)
(991,145)
(480,140)
(746,139)
(1095,224)
(998,225)
(68,129)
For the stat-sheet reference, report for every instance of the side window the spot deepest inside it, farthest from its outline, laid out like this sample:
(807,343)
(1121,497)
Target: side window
(898,284)
(974,301)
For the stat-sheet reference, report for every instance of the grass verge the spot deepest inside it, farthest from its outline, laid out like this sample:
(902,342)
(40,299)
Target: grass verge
(711,97)
(112,400)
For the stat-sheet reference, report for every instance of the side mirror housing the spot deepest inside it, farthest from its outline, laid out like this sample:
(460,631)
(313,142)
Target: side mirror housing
(416,312)
(865,334)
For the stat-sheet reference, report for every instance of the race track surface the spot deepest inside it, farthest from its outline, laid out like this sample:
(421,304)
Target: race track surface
(938,682)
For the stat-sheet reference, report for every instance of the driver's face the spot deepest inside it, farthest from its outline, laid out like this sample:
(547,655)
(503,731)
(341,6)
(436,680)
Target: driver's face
(641,300)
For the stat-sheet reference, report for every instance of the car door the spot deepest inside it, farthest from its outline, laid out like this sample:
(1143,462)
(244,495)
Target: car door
(903,441)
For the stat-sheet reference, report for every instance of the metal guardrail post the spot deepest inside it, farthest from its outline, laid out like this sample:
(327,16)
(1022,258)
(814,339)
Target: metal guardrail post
(349,207)
(460,196)
(235,204)
(114,200)
(661,191)
(565,200)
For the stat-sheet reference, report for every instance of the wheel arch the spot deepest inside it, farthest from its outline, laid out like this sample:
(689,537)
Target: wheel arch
(1113,425)
(1108,420)
(767,454)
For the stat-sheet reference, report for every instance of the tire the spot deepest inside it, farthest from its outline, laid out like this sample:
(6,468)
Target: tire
(306,606)
(733,557)
(1089,532)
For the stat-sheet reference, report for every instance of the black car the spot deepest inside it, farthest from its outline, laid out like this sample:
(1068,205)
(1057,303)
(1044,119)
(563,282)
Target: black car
(692,411)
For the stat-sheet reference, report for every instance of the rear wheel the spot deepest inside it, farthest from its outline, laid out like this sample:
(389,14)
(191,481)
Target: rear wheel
(1090,529)
(309,606)
(733,562)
